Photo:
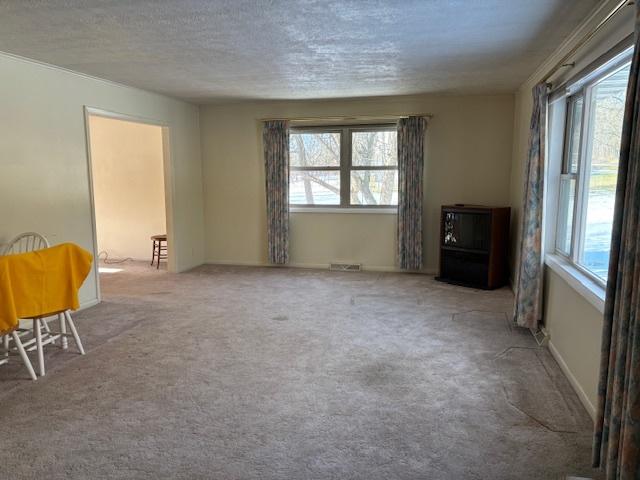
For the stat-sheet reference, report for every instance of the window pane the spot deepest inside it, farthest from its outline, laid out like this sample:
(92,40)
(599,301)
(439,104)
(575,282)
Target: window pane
(314,187)
(374,187)
(374,148)
(575,125)
(314,149)
(606,115)
(565,214)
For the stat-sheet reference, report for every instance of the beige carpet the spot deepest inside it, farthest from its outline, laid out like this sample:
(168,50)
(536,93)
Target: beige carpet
(250,373)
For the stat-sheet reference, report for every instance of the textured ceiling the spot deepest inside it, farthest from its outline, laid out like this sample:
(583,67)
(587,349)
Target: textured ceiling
(209,51)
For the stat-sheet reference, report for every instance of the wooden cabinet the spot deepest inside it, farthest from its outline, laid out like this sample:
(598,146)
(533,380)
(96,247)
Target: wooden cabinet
(474,242)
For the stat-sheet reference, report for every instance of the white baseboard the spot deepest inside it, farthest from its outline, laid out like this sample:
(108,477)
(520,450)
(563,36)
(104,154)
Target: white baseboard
(584,399)
(88,303)
(316,266)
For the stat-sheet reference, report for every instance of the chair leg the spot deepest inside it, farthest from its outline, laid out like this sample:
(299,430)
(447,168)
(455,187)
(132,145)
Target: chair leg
(37,330)
(5,345)
(23,354)
(63,330)
(153,252)
(45,325)
(47,329)
(74,332)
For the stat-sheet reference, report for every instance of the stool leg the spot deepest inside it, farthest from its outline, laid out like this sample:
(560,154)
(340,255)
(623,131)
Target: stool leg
(159,252)
(63,331)
(5,345)
(23,354)
(74,332)
(37,328)
(153,252)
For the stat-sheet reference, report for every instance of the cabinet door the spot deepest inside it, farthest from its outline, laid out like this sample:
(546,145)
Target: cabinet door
(466,268)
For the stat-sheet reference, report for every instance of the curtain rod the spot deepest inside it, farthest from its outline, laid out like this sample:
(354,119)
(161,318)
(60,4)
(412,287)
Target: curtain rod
(349,118)
(586,38)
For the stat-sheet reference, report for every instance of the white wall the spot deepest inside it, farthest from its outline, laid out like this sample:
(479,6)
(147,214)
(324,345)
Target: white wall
(43,156)
(573,323)
(467,159)
(128,186)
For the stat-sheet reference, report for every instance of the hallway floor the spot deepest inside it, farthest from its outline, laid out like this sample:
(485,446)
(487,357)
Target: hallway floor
(275,373)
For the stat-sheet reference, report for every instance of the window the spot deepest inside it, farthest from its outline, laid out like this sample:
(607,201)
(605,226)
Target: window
(314,162)
(343,167)
(589,172)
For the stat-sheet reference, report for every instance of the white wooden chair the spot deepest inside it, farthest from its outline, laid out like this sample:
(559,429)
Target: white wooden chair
(27,242)
(20,348)
(41,333)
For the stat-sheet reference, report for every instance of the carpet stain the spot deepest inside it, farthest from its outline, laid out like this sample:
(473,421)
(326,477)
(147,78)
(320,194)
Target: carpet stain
(379,374)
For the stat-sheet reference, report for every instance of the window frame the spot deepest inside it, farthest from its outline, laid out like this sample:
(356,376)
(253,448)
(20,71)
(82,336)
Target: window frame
(565,170)
(584,90)
(346,164)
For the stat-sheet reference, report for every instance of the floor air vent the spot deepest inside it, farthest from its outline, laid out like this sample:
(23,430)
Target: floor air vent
(345,267)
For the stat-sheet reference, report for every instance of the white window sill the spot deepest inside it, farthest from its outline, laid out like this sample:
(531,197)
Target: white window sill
(593,292)
(384,211)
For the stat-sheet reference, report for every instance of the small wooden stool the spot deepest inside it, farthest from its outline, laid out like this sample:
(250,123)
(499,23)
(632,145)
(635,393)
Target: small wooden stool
(159,248)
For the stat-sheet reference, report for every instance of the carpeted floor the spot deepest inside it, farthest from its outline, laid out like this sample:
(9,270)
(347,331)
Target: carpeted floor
(267,373)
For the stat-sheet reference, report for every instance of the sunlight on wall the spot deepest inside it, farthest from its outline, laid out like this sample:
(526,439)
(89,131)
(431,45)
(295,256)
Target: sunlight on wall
(128,183)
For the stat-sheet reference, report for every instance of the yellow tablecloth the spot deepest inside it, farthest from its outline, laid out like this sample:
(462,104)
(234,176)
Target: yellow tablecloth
(42,282)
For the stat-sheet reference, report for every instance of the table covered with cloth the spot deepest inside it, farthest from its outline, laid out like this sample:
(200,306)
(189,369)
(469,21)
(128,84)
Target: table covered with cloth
(42,282)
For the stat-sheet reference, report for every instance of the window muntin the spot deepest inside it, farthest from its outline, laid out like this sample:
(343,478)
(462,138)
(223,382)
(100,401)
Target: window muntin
(589,171)
(343,167)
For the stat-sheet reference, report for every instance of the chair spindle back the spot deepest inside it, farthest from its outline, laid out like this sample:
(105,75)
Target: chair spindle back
(26,242)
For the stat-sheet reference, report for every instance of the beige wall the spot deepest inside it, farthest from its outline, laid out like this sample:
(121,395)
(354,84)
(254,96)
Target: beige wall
(576,332)
(573,324)
(43,156)
(128,186)
(467,159)
(319,238)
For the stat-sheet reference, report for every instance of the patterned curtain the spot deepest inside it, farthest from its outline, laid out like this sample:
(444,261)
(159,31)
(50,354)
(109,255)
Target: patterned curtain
(275,139)
(617,430)
(528,303)
(410,166)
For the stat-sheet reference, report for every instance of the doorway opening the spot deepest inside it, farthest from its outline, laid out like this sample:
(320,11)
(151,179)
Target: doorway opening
(128,178)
